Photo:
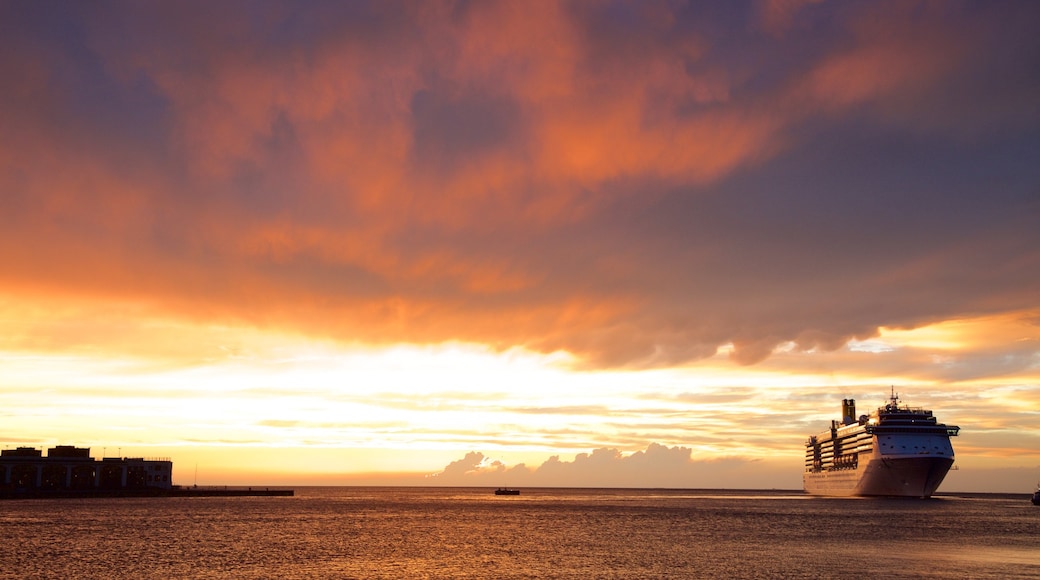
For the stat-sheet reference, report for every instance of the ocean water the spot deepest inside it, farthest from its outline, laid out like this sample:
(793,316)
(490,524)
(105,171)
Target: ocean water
(544,533)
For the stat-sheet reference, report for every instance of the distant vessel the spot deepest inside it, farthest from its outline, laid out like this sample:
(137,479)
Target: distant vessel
(507,491)
(1036,495)
(895,451)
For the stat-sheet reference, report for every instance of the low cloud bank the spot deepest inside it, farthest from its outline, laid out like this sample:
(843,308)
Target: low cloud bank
(657,466)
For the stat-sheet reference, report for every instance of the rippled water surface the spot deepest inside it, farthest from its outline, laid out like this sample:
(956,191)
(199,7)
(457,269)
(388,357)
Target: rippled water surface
(544,533)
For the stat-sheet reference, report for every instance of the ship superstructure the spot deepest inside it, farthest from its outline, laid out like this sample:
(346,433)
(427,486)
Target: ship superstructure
(895,451)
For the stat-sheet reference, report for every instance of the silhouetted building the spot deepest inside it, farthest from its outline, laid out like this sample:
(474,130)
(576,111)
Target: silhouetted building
(66,467)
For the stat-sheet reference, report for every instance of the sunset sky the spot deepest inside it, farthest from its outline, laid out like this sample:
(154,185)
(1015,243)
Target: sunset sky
(647,244)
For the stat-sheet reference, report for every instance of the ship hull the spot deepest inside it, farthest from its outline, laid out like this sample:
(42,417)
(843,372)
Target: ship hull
(889,477)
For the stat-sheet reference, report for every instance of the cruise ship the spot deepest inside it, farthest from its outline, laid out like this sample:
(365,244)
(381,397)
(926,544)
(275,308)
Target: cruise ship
(896,451)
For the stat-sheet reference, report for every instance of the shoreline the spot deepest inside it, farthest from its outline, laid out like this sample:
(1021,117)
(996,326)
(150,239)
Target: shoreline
(177,491)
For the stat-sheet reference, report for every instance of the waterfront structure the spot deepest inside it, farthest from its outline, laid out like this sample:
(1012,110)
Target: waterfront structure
(895,451)
(66,468)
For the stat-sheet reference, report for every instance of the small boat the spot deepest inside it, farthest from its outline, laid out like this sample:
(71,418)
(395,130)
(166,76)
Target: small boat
(1036,495)
(507,491)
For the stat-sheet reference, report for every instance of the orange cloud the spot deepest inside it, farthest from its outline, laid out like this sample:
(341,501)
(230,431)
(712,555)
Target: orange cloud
(637,183)
(777,16)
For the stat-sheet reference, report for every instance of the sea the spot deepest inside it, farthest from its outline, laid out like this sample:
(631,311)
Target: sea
(357,532)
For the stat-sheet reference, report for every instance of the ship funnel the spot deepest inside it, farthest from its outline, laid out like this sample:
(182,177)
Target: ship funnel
(848,411)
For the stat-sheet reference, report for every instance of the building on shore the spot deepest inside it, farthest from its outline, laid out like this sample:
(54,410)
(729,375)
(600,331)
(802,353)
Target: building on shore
(69,468)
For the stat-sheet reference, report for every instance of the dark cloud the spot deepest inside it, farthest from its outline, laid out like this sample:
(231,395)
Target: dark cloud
(637,184)
(448,134)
